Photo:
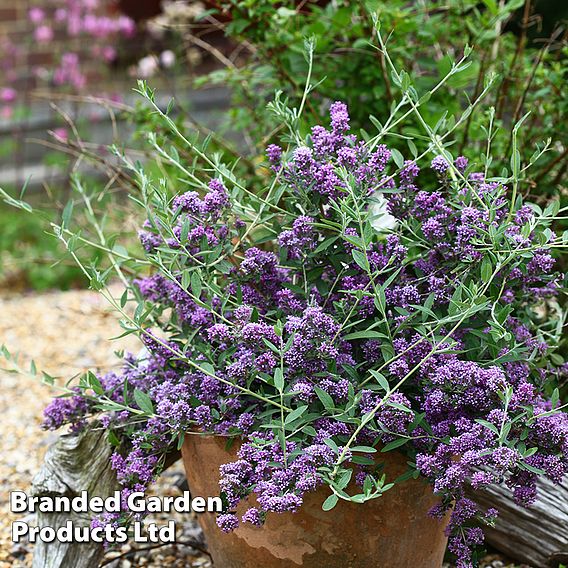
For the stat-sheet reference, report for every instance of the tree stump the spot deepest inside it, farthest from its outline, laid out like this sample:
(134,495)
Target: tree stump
(537,536)
(76,462)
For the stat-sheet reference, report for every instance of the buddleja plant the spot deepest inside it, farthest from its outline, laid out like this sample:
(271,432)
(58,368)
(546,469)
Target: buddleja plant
(349,308)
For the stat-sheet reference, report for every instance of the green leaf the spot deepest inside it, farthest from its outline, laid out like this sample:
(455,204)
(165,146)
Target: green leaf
(325,244)
(279,379)
(381,379)
(185,279)
(361,259)
(47,379)
(532,469)
(367,334)
(552,208)
(492,5)
(412,148)
(295,414)
(224,266)
(326,400)
(362,460)
(67,212)
(530,452)
(208,368)
(330,502)
(364,449)
(555,398)
(488,425)
(113,439)
(181,439)
(380,301)
(397,157)
(394,444)
(557,359)
(359,498)
(95,384)
(125,391)
(376,123)
(486,269)
(196,284)
(330,442)
(343,478)
(143,401)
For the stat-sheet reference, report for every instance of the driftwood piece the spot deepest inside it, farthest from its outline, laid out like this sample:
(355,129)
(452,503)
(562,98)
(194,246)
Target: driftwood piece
(537,536)
(74,463)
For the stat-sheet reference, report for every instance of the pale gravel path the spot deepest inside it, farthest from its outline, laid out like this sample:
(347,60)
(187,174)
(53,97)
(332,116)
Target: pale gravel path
(66,333)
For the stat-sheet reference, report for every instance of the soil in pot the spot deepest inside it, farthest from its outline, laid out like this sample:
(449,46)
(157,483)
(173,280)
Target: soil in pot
(393,531)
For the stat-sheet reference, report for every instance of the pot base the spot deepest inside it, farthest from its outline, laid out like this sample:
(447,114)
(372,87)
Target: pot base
(393,531)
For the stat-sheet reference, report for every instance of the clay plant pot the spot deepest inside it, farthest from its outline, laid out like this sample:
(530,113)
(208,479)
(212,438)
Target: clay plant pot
(393,531)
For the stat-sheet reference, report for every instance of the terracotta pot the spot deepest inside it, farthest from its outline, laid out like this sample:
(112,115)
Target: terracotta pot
(393,531)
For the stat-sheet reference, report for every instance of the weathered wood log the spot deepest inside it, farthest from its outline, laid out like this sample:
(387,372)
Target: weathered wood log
(537,536)
(76,462)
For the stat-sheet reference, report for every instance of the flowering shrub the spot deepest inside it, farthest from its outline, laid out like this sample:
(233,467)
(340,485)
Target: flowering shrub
(346,310)
(353,304)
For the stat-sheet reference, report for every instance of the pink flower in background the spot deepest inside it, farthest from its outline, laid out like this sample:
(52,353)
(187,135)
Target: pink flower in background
(69,72)
(43,34)
(84,19)
(36,15)
(109,53)
(79,81)
(61,134)
(74,25)
(60,15)
(167,58)
(8,95)
(6,112)
(147,66)
(70,60)
(95,26)
(126,26)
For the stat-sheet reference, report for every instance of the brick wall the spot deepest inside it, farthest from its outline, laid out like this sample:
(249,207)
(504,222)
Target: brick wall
(25,62)
(26,66)
(17,51)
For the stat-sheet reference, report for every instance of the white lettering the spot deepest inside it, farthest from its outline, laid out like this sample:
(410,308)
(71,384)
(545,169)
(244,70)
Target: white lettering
(19,529)
(18,501)
(136,502)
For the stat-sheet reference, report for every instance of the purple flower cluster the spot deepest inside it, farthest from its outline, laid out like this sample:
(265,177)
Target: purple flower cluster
(66,410)
(315,169)
(198,222)
(299,240)
(277,477)
(464,405)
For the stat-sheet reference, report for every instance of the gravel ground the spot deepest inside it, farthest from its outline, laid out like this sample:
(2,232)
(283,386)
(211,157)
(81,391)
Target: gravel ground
(66,333)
